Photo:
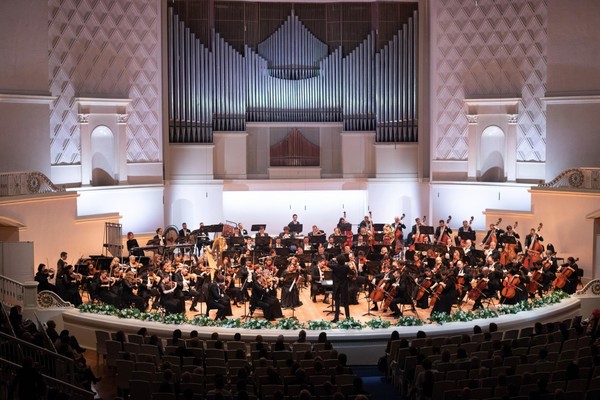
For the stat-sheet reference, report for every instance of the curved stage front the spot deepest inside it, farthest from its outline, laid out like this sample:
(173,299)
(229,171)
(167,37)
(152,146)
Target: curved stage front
(363,346)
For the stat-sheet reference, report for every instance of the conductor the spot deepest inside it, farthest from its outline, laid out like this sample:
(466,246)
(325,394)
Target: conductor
(340,271)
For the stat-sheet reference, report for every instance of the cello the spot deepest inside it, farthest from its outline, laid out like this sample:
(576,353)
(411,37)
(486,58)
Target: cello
(510,284)
(477,291)
(437,292)
(509,254)
(563,276)
(399,235)
(534,281)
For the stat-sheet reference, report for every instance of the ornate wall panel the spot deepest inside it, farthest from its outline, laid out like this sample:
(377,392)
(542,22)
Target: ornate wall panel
(489,49)
(105,48)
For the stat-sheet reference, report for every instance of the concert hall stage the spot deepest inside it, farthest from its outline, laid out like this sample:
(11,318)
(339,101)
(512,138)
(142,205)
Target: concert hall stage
(363,346)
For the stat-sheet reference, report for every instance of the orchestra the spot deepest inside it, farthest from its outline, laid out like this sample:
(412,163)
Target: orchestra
(430,269)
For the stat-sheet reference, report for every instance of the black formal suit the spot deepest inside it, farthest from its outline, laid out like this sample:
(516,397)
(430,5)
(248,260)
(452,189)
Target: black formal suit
(218,300)
(340,288)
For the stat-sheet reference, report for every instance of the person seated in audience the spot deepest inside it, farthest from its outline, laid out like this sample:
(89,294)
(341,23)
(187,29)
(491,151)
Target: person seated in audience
(28,382)
(85,372)
(169,383)
(279,344)
(155,340)
(219,389)
(72,340)
(24,328)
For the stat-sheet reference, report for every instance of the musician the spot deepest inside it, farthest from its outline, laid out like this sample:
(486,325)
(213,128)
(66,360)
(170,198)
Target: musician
(133,265)
(184,232)
(261,233)
(382,280)
(217,299)
(463,279)
(353,284)
(316,231)
(513,282)
(548,266)
(133,246)
(159,237)
(105,292)
(398,224)
(411,236)
(60,265)
(342,225)
(493,231)
(492,251)
(448,295)
(424,281)
(573,279)
(264,296)
(168,299)
(148,285)
(43,277)
(290,292)
(70,283)
(360,242)
(466,227)
(441,230)
(340,271)
(128,297)
(286,234)
(186,286)
(531,238)
(404,287)
(294,221)
(317,274)
(365,223)
(306,245)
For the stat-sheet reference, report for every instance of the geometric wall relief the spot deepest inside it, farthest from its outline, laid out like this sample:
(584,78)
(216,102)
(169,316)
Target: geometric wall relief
(108,49)
(489,49)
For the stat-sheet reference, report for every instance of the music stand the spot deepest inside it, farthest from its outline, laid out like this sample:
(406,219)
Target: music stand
(347,227)
(508,239)
(236,241)
(262,241)
(378,237)
(282,251)
(339,239)
(468,235)
(440,249)
(256,227)
(328,289)
(378,227)
(333,252)
(295,228)
(317,239)
(426,230)
(459,249)
(375,257)
(479,255)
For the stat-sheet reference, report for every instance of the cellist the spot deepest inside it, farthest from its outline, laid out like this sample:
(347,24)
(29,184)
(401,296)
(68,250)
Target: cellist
(381,281)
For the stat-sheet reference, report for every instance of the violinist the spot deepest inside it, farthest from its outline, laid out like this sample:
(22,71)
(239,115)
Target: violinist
(548,266)
(128,296)
(70,283)
(492,251)
(42,277)
(133,265)
(168,300)
(148,286)
(290,286)
(317,274)
(186,283)
(463,280)
(104,288)
(264,296)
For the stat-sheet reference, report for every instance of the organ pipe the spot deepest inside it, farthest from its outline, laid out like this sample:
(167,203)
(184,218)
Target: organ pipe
(291,77)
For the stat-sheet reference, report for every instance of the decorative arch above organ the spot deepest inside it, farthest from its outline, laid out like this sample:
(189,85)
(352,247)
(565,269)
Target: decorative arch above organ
(292,76)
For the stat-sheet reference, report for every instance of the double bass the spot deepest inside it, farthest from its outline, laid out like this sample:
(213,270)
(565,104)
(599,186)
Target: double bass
(399,235)
(420,237)
(534,253)
(444,236)
(492,236)
(509,254)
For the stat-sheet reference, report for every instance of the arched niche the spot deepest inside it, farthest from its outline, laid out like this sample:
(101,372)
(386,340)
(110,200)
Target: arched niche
(103,129)
(103,151)
(492,155)
(492,138)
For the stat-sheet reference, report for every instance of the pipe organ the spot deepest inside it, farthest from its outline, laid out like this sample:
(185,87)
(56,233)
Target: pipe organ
(291,76)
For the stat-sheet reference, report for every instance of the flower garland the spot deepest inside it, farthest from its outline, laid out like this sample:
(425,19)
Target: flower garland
(293,323)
